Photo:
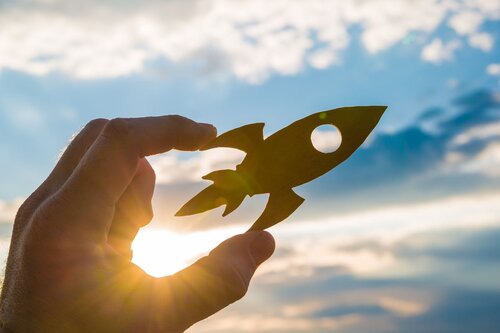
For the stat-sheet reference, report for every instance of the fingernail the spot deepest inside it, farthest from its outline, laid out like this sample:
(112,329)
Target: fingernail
(262,246)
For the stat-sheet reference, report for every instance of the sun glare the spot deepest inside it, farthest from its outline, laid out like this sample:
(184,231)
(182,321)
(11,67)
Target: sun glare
(161,252)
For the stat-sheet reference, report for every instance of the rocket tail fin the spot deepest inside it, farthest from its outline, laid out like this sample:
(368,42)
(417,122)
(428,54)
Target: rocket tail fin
(226,190)
(233,201)
(244,138)
(280,205)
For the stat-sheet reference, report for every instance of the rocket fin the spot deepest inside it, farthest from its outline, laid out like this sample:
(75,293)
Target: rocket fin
(229,180)
(220,176)
(228,189)
(209,198)
(279,207)
(233,201)
(233,184)
(244,138)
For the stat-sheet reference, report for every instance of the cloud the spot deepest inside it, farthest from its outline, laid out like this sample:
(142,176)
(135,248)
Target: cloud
(493,69)
(460,311)
(173,169)
(447,296)
(482,41)
(483,132)
(437,51)
(466,22)
(486,162)
(8,210)
(260,323)
(245,38)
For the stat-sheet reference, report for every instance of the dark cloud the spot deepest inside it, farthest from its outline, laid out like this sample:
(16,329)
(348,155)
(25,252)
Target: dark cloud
(476,108)
(460,245)
(477,245)
(339,311)
(430,114)
(461,311)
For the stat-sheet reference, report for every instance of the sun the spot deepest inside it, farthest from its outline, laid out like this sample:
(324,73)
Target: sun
(162,252)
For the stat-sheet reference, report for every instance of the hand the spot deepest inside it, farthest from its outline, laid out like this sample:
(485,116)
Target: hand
(69,266)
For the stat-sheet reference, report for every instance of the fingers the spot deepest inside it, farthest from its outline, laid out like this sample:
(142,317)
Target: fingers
(103,174)
(214,281)
(74,153)
(134,210)
(66,164)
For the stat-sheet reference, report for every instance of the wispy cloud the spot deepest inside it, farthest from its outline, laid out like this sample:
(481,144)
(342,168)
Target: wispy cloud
(8,210)
(493,69)
(245,38)
(434,299)
(437,51)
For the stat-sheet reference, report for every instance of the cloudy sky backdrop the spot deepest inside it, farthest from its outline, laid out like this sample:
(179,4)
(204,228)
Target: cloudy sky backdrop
(402,237)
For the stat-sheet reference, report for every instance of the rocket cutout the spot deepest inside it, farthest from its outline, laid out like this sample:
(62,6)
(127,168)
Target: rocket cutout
(277,164)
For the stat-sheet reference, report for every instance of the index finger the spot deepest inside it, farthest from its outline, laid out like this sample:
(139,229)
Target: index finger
(110,164)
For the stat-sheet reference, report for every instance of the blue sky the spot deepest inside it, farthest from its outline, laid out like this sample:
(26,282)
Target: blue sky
(392,240)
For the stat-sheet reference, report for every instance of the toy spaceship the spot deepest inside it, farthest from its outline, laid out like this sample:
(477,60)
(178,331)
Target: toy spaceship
(280,162)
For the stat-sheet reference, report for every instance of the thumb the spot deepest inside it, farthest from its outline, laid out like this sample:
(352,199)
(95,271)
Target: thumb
(216,280)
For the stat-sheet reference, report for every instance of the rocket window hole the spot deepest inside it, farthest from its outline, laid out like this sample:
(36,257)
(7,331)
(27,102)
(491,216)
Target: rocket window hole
(326,138)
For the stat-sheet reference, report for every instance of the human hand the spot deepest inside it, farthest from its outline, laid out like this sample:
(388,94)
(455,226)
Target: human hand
(69,268)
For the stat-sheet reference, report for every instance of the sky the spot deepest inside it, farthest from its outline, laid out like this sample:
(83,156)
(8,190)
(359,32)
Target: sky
(401,237)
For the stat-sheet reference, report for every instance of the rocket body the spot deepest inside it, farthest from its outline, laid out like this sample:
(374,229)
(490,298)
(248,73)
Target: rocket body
(282,161)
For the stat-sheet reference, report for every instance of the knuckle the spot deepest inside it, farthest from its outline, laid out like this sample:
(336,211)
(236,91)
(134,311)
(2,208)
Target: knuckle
(177,119)
(27,209)
(117,128)
(96,124)
(50,209)
(234,284)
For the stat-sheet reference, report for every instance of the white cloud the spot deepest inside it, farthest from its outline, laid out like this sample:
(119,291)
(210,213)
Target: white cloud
(22,115)
(171,168)
(8,210)
(488,131)
(322,59)
(493,69)
(250,39)
(313,241)
(263,323)
(482,41)
(437,51)
(466,22)
(487,162)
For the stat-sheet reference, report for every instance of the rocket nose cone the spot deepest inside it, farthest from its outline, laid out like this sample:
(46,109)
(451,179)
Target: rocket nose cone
(379,109)
(371,113)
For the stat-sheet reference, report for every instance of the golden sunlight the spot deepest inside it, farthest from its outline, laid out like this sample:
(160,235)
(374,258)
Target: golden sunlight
(162,252)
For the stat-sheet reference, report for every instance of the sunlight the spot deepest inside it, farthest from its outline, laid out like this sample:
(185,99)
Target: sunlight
(162,252)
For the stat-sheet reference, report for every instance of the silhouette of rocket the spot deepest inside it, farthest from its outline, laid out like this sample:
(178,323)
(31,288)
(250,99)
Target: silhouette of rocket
(280,162)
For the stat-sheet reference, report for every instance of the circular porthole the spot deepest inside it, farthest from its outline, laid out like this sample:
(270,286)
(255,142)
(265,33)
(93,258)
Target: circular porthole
(326,138)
